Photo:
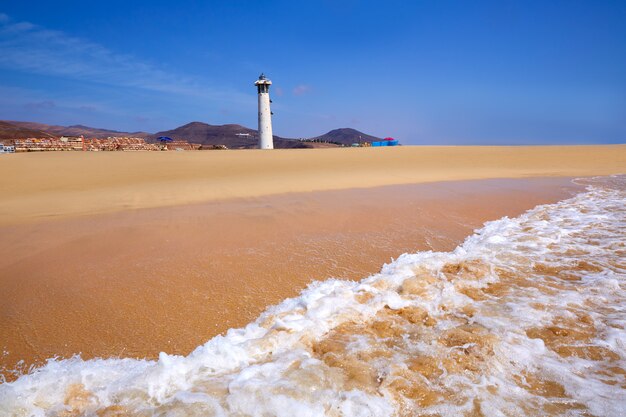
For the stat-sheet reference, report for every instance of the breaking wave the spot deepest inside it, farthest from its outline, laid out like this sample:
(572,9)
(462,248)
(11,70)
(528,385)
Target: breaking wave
(526,317)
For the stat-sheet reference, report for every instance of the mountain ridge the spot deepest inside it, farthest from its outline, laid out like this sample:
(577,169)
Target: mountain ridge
(346,136)
(233,136)
(73,130)
(9,131)
(238,136)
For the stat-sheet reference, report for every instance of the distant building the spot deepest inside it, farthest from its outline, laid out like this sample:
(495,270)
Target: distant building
(73,143)
(7,148)
(120,144)
(183,145)
(46,144)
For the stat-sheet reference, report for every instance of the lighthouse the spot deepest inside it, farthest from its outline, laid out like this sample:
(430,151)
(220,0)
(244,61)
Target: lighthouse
(266,141)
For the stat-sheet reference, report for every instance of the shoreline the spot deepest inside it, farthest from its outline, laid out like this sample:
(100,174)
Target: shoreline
(43,186)
(121,284)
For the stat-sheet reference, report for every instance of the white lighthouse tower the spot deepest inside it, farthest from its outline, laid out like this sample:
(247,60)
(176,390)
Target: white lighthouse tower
(266,140)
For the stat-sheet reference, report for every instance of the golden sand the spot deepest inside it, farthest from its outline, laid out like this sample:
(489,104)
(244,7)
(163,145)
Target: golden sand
(60,184)
(137,282)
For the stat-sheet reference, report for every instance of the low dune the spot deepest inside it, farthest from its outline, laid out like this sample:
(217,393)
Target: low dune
(62,184)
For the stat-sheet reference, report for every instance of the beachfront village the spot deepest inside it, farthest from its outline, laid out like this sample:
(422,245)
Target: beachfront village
(80,143)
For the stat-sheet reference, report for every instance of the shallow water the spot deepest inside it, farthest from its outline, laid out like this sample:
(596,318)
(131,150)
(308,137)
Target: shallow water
(526,317)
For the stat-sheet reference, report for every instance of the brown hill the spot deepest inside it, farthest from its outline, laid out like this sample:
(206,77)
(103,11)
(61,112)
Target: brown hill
(93,132)
(76,130)
(232,135)
(10,131)
(345,136)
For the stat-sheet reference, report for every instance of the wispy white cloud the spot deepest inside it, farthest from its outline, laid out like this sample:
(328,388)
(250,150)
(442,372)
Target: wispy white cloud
(12,99)
(279,91)
(35,105)
(31,48)
(301,90)
(40,105)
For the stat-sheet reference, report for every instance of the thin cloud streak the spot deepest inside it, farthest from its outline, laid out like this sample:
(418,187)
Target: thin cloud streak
(31,100)
(40,105)
(31,48)
(301,90)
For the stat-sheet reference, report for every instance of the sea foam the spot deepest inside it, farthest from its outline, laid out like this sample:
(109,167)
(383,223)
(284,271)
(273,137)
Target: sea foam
(526,317)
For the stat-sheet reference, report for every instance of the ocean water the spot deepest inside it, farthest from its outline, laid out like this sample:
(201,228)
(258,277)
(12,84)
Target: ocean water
(526,318)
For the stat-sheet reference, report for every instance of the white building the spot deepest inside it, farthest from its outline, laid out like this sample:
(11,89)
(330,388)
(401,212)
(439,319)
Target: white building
(7,148)
(266,140)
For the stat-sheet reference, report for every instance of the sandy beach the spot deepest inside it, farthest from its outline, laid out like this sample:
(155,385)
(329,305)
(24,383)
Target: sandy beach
(83,273)
(121,284)
(336,208)
(61,184)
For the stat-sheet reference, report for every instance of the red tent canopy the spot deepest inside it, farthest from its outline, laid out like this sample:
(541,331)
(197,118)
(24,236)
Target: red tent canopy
(389,139)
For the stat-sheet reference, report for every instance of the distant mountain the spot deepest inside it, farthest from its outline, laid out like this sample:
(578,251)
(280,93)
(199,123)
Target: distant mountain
(238,137)
(345,136)
(12,131)
(76,130)
(231,135)
(92,132)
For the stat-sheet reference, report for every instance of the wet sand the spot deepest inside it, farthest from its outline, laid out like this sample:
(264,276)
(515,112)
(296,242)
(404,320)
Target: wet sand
(64,184)
(137,282)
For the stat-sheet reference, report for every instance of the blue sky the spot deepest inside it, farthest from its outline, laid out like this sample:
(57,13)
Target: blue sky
(426,72)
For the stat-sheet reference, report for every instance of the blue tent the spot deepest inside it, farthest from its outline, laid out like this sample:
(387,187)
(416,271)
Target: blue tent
(386,142)
(165,139)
